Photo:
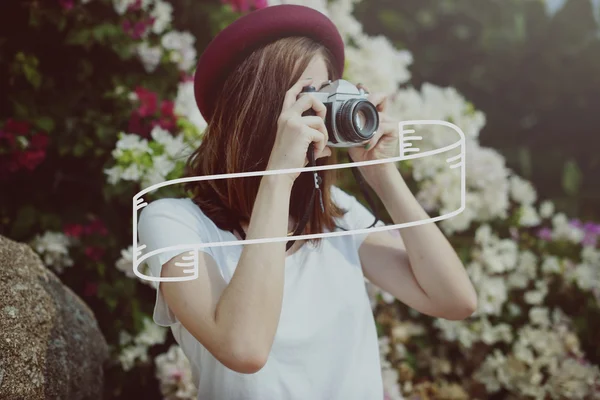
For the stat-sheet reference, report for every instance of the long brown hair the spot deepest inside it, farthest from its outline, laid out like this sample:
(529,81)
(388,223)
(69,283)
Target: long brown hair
(241,134)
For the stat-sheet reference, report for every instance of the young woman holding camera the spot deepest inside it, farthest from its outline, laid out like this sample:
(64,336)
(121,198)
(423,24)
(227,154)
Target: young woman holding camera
(261,322)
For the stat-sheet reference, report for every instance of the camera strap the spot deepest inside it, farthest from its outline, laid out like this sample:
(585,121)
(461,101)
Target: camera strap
(364,188)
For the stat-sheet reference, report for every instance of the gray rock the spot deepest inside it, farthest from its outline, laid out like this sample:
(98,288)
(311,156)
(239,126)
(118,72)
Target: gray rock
(50,343)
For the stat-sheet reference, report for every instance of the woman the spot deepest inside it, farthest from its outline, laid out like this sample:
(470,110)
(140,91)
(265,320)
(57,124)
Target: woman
(260,322)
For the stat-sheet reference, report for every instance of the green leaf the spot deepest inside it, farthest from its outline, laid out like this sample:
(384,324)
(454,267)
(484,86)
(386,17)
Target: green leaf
(78,37)
(380,331)
(32,76)
(101,269)
(525,161)
(44,123)
(106,31)
(50,222)
(571,179)
(26,218)
(78,149)
(21,111)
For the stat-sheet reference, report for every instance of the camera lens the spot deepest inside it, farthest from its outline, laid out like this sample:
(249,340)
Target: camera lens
(357,120)
(360,119)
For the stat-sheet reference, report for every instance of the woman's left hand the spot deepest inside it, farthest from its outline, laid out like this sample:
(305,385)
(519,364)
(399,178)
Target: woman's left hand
(384,143)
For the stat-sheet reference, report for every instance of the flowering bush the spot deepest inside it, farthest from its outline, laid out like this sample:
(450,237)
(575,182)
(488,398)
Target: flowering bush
(127,119)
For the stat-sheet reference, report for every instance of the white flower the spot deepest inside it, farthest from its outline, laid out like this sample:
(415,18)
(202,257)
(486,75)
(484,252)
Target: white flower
(539,316)
(150,56)
(152,177)
(491,334)
(121,6)
(125,338)
(456,331)
(590,255)
(486,174)
(537,296)
(162,13)
(129,355)
(340,12)
(53,248)
(529,216)
(492,296)
(185,105)
(319,5)
(137,349)
(133,142)
(586,276)
(573,380)
(525,272)
(131,173)
(501,256)
(551,265)
(546,209)
(182,48)
(114,174)
(151,334)
(174,373)
(488,372)
(376,63)
(384,346)
(163,165)
(514,310)
(390,383)
(521,190)
(174,146)
(562,230)
(125,265)
(484,235)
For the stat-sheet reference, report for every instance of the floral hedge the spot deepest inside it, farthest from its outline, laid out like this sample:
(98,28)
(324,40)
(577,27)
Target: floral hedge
(100,105)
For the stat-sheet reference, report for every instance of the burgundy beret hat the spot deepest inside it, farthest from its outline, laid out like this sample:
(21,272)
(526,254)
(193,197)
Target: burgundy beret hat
(234,43)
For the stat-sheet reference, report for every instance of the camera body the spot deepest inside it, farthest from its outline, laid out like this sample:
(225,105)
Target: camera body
(351,119)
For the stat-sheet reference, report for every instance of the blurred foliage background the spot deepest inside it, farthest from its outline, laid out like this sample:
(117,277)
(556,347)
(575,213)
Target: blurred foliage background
(535,75)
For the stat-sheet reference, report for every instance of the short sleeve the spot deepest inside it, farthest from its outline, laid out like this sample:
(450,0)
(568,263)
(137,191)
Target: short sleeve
(164,223)
(357,215)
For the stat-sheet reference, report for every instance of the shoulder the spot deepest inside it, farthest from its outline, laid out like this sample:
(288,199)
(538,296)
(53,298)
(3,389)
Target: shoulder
(182,209)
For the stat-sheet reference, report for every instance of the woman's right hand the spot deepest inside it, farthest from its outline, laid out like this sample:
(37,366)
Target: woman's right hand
(296,132)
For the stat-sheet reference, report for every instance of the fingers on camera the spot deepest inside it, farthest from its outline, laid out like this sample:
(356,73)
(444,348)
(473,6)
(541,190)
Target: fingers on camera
(292,94)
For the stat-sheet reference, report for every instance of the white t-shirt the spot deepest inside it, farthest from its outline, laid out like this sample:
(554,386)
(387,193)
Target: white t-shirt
(326,345)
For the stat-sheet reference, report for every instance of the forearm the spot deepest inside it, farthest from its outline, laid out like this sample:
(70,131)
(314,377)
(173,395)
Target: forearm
(250,306)
(435,264)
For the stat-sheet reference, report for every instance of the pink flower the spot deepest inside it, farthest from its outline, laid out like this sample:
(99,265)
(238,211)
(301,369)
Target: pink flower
(148,102)
(258,4)
(90,289)
(184,77)
(30,159)
(73,230)
(97,226)
(138,30)
(66,4)
(166,108)
(545,234)
(177,375)
(94,253)
(18,127)
(39,141)
(245,5)
(135,6)
(8,138)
